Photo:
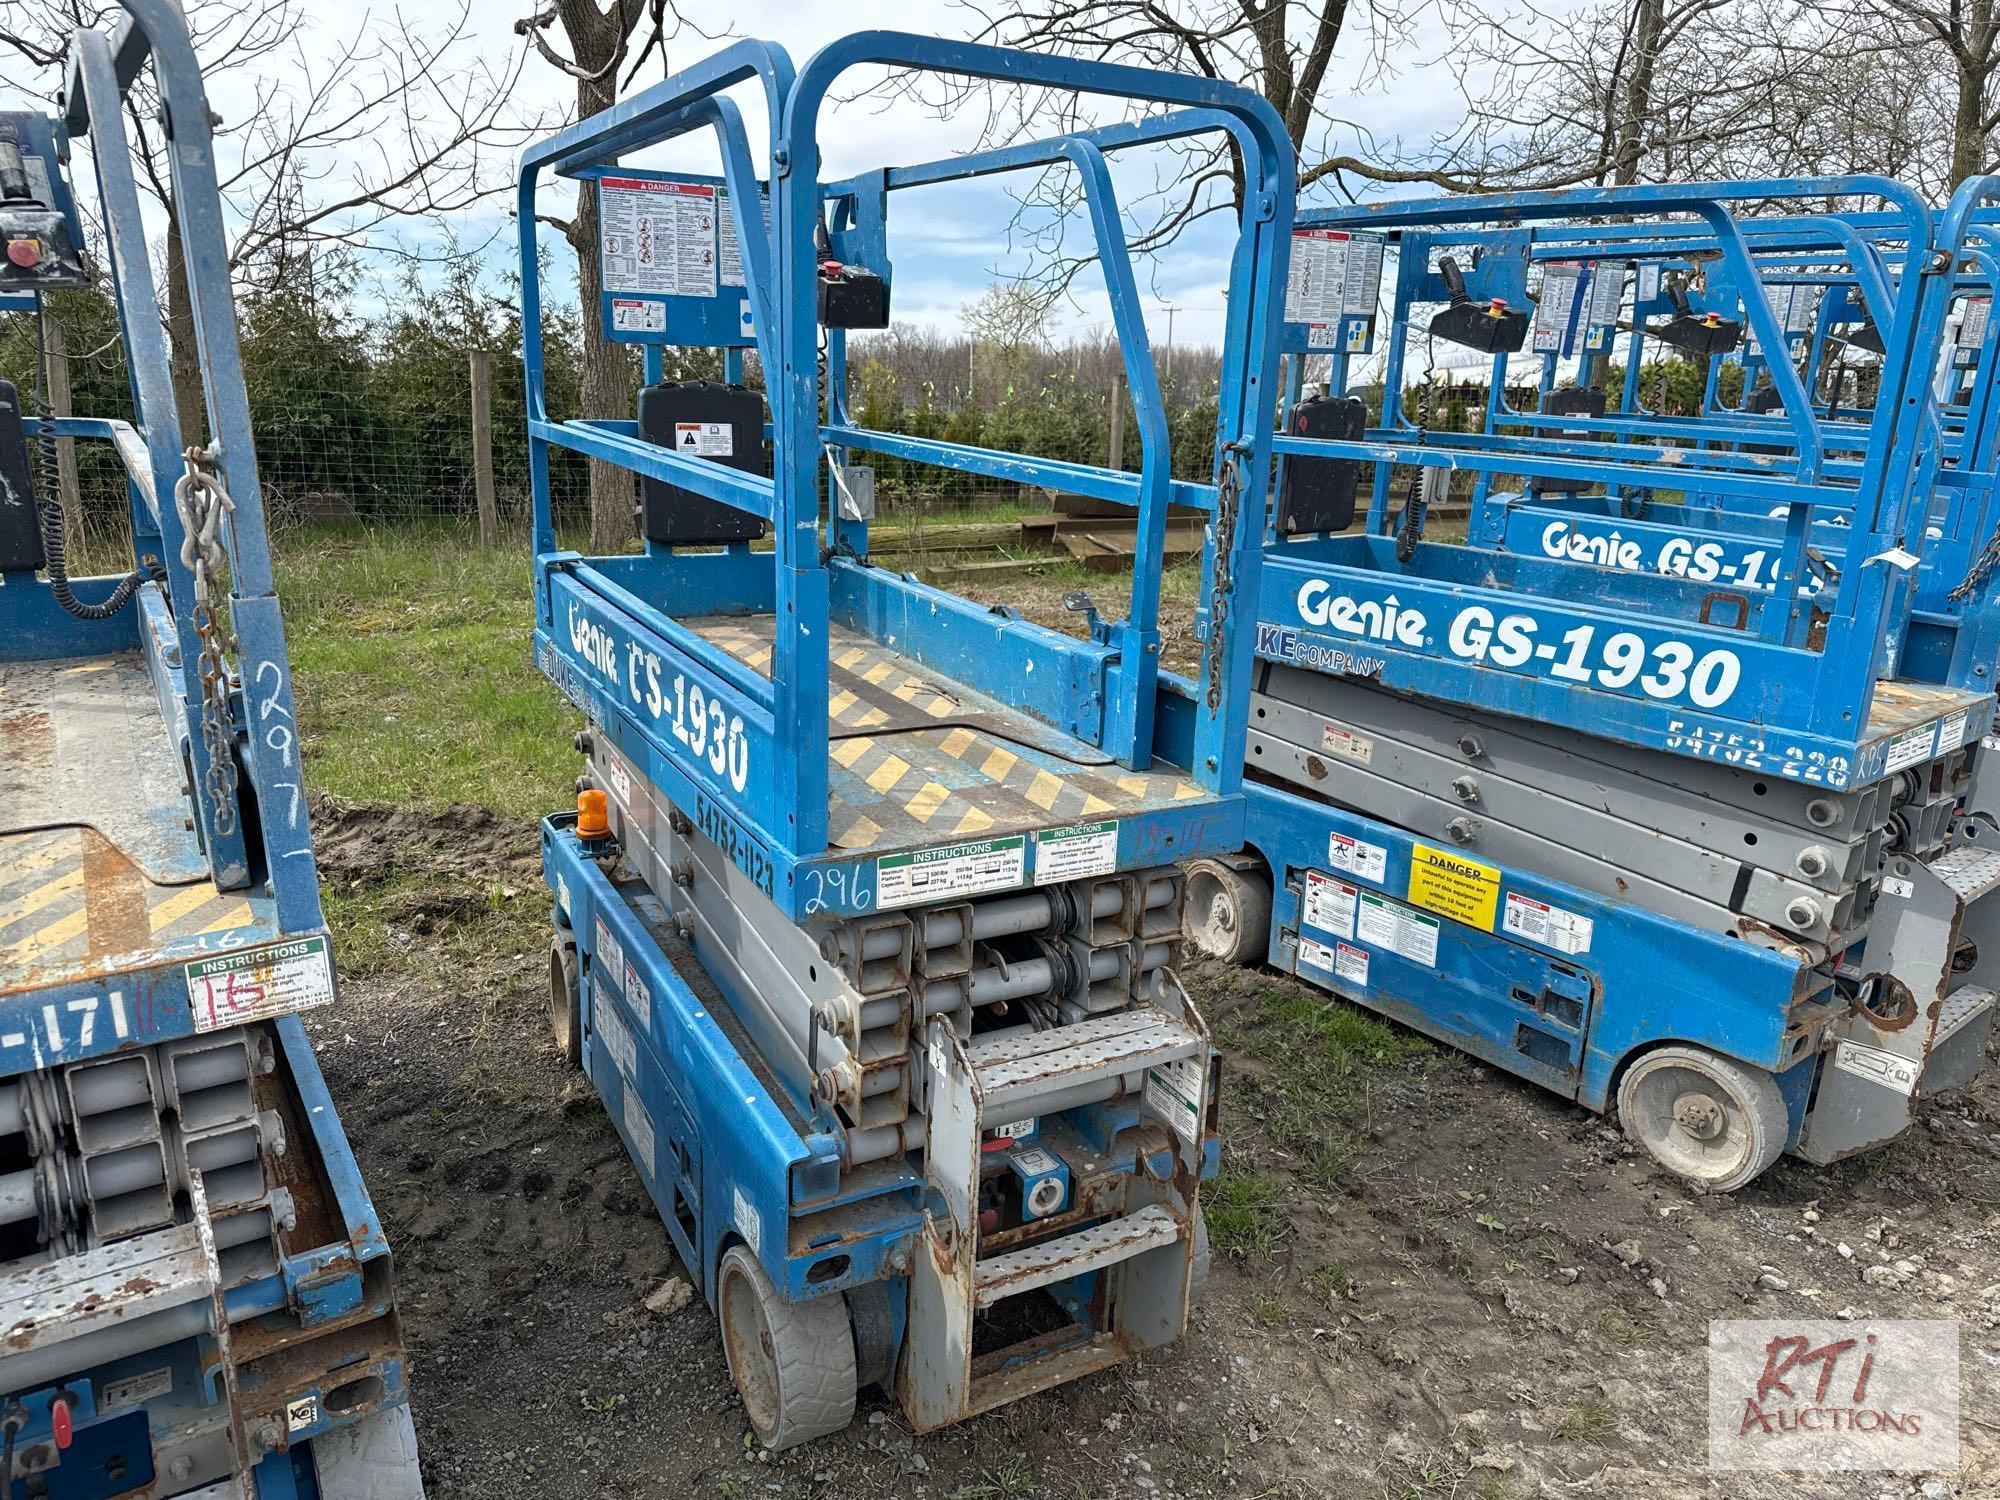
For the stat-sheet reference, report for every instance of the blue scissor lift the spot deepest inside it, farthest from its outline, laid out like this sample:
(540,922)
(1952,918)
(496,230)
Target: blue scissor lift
(871,956)
(1715,851)
(195,1294)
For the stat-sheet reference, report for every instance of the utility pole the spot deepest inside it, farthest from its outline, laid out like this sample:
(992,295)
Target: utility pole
(1171,310)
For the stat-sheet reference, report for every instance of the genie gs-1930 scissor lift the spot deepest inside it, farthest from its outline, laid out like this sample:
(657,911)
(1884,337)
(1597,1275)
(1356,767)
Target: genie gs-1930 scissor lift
(865,926)
(195,1295)
(1695,812)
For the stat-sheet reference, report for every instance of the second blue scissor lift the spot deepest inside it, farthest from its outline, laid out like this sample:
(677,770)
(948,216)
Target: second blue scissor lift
(1714,850)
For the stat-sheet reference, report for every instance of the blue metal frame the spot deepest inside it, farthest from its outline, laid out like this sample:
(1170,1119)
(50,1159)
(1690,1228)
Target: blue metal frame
(756,758)
(1784,678)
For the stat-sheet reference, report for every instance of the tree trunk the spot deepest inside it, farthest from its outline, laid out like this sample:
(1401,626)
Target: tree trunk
(183,359)
(1974,67)
(1648,21)
(606,380)
(606,373)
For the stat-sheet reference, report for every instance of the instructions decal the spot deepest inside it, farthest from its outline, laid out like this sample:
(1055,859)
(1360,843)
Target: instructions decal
(1607,292)
(659,237)
(1911,747)
(258,983)
(1877,1066)
(1332,274)
(612,1031)
(1315,953)
(638,1127)
(955,870)
(1951,732)
(705,439)
(639,997)
(1173,1092)
(1075,852)
(609,958)
(1338,739)
(1329,904)
(1020,1130)
(1972,322)
(134,1389)
(1382,923)
(1357,857)
(1561,283)
(1551,926)
(729,249)
(1463,889)
(749,1223)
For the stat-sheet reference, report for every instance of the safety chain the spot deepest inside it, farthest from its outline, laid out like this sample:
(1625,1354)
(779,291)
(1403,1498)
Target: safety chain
(1981,570)
(1228,492)
(202,502)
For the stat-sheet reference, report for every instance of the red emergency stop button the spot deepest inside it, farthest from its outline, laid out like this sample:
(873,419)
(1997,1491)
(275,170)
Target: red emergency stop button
(59,1418)
(26,254)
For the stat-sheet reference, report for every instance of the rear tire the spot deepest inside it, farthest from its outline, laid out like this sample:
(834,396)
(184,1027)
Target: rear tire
(565,1002)
(1227,911)
(793,1362)
(1706,1118)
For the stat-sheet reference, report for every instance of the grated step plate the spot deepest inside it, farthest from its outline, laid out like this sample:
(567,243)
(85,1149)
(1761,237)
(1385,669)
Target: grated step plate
(1970,872)
(1091,1249)
(1126,1041)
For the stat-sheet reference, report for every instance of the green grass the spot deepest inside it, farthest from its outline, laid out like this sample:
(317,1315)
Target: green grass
(411,658)
(1243,1211)
(1321,1054)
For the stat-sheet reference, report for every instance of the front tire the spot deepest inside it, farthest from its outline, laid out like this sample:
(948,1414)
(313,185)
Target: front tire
(1704,1117)
(793,1362)
(565,1002)
(1227,911)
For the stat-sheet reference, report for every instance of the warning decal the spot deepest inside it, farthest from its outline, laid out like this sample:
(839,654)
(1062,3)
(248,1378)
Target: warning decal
(1551,926)
(1463,889)
(705,439)
(1357,857)
(659,237)
(1329,904)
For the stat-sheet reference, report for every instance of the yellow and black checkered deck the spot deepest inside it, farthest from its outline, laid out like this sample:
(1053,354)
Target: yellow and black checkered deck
(919,759)
(73,907)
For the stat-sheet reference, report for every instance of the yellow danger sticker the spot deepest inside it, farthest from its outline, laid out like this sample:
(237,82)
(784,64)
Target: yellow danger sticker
(1454,886)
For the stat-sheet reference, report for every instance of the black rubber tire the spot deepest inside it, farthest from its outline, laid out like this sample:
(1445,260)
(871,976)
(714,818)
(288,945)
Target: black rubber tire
(793,1362)
(565,1000)
(1743,1105)
(1227,912)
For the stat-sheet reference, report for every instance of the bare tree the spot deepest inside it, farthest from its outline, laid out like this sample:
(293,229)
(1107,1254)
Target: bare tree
(1007,326)
(602,42)
(353,133)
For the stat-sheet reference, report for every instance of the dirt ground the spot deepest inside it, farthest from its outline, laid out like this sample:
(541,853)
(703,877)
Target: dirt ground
(1434,1280)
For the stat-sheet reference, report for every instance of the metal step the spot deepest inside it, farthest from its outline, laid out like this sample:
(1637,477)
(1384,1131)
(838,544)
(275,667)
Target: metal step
(1959,1007)
(1089,1249)
(1971,872)
(1020,1068)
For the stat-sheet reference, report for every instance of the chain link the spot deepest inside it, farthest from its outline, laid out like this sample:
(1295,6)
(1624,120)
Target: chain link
(1228,493)
(1981,570)
(202,502)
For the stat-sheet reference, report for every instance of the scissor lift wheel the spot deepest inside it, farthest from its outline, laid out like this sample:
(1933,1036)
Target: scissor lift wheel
(1228,911)
(793,1362)
(1708,1119)
(565,1014)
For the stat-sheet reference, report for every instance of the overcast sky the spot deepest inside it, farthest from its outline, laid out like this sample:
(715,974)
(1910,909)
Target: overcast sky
(947,244)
